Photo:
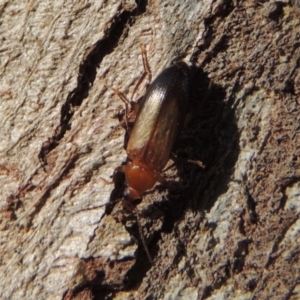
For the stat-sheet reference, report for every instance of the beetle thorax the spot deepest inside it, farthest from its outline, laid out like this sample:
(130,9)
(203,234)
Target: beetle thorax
(140,178)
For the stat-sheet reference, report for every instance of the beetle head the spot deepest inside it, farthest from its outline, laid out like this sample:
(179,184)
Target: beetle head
(140,178)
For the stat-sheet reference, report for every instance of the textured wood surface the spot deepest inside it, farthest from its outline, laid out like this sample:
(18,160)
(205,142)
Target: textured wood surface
(227,227)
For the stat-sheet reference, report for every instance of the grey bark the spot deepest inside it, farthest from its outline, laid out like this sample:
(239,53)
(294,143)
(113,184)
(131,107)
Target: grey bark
(227,227)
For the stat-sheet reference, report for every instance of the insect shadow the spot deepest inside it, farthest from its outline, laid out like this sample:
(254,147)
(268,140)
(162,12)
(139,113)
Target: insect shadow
(210,138)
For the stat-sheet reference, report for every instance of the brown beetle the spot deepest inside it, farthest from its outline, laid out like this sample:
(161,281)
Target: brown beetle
(159,120)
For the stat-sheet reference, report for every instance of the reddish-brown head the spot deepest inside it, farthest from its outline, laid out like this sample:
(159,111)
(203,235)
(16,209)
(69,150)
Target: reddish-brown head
(140,178)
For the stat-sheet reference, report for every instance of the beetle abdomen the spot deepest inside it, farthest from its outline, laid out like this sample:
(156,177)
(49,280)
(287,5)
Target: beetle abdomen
(160,117)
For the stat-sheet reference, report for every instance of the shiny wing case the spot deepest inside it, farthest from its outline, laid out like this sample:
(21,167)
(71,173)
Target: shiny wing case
(160,118)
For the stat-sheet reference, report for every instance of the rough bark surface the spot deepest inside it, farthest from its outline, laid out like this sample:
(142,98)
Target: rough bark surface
(226,227)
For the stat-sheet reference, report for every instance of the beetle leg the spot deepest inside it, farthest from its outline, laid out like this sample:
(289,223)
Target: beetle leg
(128,106)
(197,162)
(147,70)
(185,160)
(127,102)
(145,62)
(131,109)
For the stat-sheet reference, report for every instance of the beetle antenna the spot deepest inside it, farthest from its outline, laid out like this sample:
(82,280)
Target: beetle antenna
(138,218)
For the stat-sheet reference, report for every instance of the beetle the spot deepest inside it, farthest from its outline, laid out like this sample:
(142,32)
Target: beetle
(159,120)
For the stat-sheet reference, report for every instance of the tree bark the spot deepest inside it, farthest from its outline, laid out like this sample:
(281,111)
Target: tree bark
(227,225)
